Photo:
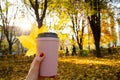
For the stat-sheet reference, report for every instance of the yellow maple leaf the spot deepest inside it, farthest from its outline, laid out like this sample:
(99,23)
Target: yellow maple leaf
(29,41)
(35,30)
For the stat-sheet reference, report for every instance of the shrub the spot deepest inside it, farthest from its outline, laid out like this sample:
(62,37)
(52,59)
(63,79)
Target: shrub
(83,53)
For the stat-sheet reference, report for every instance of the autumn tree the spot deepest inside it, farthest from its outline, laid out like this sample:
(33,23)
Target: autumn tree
(77,18)
(74,12)
(8,30)
(95,21)
(118,20)
(108,26)
(1,28)
(39,8)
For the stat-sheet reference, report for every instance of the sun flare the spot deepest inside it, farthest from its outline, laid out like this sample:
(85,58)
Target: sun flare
(24,25)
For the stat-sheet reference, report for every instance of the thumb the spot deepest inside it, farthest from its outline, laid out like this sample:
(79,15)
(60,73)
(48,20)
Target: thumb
(39,57)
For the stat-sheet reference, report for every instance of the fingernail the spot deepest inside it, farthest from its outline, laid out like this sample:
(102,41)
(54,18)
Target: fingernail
(42,54)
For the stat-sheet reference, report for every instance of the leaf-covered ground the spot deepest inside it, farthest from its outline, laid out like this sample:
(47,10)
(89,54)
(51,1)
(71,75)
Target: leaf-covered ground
(70,68)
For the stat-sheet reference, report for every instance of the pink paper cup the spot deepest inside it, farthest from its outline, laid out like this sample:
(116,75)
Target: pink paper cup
(48,44)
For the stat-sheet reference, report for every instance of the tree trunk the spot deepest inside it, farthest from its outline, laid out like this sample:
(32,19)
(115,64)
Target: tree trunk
(95,26)
(81,39)
(39,18)
(43,15)
(80,46)
(10,48)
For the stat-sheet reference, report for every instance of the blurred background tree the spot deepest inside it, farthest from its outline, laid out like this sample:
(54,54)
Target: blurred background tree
(9,31)
(39,7)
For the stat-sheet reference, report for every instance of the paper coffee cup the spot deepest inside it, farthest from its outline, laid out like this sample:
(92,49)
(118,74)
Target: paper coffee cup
(48,44)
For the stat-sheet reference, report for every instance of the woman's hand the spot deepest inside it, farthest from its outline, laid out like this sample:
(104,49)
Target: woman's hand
(33,73)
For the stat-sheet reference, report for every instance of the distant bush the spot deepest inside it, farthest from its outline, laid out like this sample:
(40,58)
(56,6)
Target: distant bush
(82,52)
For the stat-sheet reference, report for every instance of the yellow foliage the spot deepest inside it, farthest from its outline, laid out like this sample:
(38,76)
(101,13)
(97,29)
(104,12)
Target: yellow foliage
(14,47)
(29,41)
(61,52)
(63,36)
(69,68)
(35,30)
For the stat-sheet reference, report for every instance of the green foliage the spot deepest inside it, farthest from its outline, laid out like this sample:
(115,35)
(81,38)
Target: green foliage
(83,52)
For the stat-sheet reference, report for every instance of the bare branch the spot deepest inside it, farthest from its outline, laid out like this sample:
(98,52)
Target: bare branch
(43,15)
(29,11)
(33,6)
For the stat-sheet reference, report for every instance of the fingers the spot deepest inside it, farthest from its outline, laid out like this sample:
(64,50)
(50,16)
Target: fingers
(41,54)
(38,59)
(34,69)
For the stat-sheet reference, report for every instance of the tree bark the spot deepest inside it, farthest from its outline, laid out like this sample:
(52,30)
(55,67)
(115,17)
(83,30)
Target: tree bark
(94,20)
(96,30)
(39,18)
(10,48)
(79,38)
